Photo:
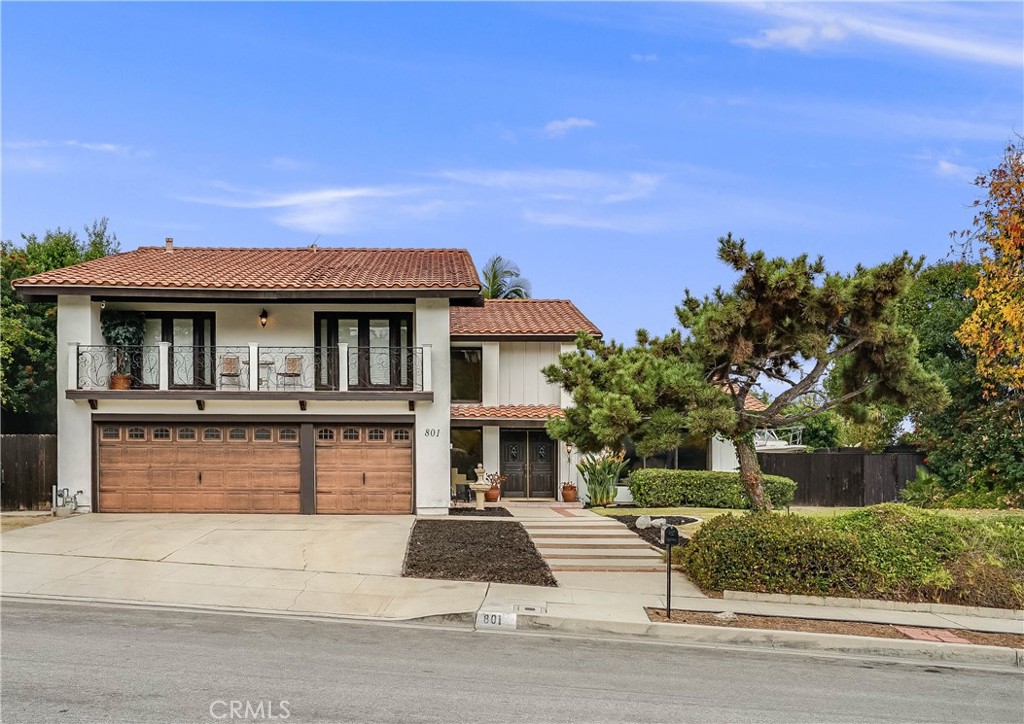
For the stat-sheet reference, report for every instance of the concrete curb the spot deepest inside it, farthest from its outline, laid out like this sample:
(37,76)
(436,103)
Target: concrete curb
(461,619)
(788,640)
(871,603)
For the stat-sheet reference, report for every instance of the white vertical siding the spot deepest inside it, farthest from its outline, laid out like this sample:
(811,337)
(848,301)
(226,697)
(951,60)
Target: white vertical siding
(520,380)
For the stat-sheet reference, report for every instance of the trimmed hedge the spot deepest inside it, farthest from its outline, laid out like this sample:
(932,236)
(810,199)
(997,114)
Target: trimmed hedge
(886,551)
(659,488)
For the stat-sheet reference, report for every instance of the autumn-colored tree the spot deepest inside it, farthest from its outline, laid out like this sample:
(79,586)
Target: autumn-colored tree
(995,329)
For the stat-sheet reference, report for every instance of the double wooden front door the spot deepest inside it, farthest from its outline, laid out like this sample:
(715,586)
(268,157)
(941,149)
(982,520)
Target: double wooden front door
(529,464)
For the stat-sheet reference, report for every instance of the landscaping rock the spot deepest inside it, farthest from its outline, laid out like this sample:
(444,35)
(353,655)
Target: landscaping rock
(726,616)
(658,523)
(644,521)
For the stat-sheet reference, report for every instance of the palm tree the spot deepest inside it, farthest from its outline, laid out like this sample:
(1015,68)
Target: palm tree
(503,280)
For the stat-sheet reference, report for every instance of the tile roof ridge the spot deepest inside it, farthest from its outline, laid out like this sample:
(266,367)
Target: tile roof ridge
(297,248)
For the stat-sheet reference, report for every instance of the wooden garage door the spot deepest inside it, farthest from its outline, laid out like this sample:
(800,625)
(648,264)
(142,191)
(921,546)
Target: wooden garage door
(208,468)
(363,469)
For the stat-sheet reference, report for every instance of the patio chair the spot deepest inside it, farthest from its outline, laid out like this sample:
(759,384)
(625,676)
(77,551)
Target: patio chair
(230,371)
(292,374)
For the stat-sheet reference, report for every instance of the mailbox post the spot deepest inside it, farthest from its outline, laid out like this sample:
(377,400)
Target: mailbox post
(670,537)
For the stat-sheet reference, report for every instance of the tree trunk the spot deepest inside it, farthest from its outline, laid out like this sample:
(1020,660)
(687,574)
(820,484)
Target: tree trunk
(750,472)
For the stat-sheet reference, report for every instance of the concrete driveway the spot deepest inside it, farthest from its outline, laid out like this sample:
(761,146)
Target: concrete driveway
(339,565)
(373,545)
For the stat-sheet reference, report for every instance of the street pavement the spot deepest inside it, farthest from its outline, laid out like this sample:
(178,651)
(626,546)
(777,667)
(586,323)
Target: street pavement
(63,662)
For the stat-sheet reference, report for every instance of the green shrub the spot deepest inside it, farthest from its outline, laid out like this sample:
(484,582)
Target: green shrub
(776,553)
(888,551)
(658,488)
(924,491)
(907,547)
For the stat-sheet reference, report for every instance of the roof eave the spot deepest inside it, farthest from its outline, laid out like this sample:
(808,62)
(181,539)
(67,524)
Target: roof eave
(50,292)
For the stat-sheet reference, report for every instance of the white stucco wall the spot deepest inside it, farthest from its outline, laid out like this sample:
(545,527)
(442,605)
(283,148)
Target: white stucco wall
(520,380)
(75,322)
(433,419)
(722,455)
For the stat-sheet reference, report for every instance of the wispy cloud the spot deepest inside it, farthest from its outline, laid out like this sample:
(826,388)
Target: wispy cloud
(327,210)
(643,57)
(83,145)
(562,185)
(596,222)
(287,163)
(947,30)
(558,128)
(949,169)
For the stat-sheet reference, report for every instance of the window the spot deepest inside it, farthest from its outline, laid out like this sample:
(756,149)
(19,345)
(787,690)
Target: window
(400,435)
(193,338)
(467,374)
(186,433)
(110,433)
(288,434)
(238,434)
(211,433)
(262,434)
(350,433)
(161,433)
(375,434)
(380,351)
(467,450)
(325,433)
(136,433)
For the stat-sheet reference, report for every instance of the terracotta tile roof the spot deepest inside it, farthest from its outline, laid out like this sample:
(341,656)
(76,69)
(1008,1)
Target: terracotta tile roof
(257,268)
(505,412)
(753,404)
(541,317)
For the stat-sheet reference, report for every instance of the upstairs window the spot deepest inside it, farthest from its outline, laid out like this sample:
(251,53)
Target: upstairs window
(467,374)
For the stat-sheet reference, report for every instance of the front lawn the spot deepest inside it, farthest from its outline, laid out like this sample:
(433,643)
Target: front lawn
(705,514)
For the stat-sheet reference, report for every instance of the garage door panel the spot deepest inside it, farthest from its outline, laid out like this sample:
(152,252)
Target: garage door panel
(205,468)
(371,474)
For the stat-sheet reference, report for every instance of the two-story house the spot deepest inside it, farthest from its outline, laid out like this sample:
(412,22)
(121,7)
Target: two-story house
(312,380)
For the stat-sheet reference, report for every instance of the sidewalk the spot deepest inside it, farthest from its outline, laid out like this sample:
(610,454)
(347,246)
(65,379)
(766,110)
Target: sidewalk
(37,562)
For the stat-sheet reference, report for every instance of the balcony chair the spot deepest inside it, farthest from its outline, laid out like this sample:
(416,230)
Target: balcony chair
(291,377)
(230,371)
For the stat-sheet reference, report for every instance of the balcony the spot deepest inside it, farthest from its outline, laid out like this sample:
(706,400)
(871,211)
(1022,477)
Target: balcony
(249,372)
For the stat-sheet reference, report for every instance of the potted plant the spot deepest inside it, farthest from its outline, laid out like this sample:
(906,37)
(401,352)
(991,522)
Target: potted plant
(494,492)
(123,330)
(569,492)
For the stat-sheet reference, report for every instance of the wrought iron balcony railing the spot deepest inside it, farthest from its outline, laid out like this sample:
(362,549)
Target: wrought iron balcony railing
(101,367)
(251,368)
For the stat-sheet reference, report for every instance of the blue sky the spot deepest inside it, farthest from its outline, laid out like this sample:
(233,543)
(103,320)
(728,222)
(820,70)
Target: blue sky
(603,147)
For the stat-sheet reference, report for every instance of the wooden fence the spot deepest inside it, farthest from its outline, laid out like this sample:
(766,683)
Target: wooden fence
(28,470)
(844,478)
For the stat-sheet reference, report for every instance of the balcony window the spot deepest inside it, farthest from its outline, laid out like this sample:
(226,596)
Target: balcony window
(380,353)
(467,374)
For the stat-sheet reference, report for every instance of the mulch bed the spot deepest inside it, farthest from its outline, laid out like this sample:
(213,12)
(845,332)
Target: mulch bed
(475,550)
(490,512)
(848,628)
(653,535)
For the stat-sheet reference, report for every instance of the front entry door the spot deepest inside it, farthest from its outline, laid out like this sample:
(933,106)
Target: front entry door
(528,464)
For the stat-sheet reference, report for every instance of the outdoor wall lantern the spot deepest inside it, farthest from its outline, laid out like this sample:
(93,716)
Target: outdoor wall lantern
(263,318)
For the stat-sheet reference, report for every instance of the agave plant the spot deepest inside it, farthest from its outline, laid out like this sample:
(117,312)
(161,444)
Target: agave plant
(601,473)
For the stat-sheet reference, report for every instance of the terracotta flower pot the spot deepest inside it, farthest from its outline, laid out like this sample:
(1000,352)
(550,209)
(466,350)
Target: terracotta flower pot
(492,495)
(569,494)
(120,381)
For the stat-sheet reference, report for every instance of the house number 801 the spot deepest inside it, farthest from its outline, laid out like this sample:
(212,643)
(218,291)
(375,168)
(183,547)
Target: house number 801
(432,432)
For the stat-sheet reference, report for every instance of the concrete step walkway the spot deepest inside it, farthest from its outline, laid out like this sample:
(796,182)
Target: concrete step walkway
(589,551)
